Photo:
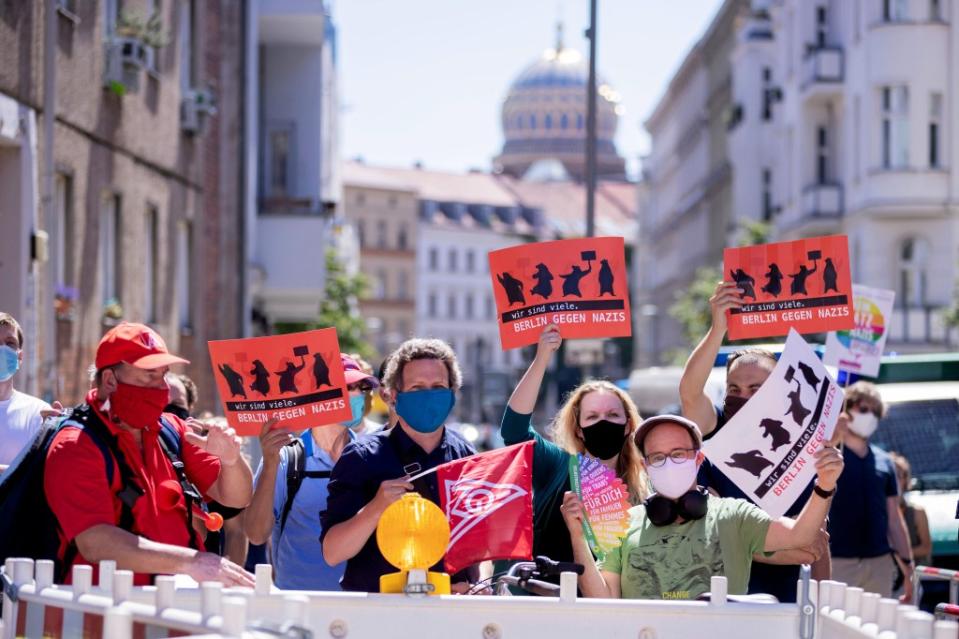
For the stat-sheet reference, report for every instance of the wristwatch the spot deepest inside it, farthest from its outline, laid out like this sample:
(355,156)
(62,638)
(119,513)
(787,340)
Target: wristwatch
(825,494)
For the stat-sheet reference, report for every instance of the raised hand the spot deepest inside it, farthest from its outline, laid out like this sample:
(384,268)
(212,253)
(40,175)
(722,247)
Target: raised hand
(549,342)
(272,441)
(217,439)
(726,296)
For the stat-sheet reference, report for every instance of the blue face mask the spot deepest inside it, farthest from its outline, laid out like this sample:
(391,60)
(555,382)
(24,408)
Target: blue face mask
(425,410)
(357,404)
(9,362)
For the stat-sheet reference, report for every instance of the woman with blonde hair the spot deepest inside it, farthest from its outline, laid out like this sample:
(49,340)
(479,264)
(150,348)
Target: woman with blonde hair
(597,419)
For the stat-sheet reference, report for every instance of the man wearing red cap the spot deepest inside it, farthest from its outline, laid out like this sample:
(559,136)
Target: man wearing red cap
(138,510)
(288,511)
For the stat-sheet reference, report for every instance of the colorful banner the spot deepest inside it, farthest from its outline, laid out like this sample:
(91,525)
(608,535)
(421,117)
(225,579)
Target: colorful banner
(859,350)
(768,448)
(295,378)
(488,500)
(606,500)
(803,285)
(578,284)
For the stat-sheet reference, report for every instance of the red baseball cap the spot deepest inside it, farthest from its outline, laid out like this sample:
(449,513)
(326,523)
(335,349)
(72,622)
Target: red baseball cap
(135,344)
(353,373)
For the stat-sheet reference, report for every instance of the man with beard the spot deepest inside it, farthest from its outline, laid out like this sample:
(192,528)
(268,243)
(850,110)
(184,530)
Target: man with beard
(128,502)
(746,370)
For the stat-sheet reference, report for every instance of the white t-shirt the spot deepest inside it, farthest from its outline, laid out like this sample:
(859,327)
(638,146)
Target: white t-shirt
(19,421)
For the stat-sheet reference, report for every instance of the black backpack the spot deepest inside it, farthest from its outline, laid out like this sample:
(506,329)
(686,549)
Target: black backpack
(296,472)
(28,528)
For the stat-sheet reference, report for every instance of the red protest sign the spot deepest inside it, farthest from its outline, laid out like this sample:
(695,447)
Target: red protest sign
(803,284)
(578,284)
(295,378)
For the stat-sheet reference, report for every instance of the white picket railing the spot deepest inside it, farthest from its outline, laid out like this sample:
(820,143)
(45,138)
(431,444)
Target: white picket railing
(34,607)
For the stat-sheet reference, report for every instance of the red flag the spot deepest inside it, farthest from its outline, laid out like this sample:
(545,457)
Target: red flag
(488,500)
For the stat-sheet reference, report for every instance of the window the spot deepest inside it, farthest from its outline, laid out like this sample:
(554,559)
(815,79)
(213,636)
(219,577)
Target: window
(767,94)
(548,121)
(402,241)
(64,231)
(434,259)
(391,201)
(452,260)
(189,46)
(822,156)
(110,265)
(490,307)
(431,305)
(935,130)
(151,259)
(184,274)
(379,289)
(935,10)
(564,121)
(913,255)
(469,306)
(767,195)
(579,121)
(895,127)
(403,328)
(360,199)
(451,307)
(532,120)
(361,232)
(111,15)
(821,26)
(381,234)
(403,285)
(895,10)
(470,259)
(279,164)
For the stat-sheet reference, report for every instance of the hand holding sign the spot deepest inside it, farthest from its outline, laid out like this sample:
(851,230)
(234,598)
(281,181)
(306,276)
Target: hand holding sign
(217,439)
(829,464)
(727,296)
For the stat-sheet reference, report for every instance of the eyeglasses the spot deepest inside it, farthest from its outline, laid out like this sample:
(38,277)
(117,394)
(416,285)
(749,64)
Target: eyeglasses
(678,455)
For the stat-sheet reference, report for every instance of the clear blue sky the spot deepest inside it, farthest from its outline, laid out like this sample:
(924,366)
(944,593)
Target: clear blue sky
(424,79)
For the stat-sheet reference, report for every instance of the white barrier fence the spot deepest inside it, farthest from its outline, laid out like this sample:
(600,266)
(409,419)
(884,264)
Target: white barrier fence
(34,607)
(929,573)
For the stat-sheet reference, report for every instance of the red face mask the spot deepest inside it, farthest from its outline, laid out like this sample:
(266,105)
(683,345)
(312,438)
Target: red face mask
(138,406)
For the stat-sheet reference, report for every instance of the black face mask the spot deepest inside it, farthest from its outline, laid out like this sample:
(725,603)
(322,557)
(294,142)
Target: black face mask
(732,404)
(604,439)
(177,410)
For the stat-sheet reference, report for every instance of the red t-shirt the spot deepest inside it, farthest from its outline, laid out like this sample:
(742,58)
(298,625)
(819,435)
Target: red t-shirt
(75,483)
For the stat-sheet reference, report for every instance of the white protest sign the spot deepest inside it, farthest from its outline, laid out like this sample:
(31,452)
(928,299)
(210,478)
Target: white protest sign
(768,448)
(859,350)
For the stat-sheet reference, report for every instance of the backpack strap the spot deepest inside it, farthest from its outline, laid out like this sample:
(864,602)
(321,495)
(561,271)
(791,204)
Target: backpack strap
(295,467)
(172,447)
(84,418)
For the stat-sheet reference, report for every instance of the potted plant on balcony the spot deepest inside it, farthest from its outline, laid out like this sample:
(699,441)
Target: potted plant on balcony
(63,300)
(112,312)
(134,40)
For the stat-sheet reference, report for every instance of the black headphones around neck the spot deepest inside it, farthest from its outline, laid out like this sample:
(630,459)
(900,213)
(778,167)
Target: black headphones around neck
(663,511)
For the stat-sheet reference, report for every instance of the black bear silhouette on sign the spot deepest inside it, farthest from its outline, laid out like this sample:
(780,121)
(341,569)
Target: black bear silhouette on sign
(544,282)
(572,279)
(288,376)
(773,428)
(234,380)
(752,462)
(796,409)
(774,280)
(321,372)
(809,375)
(261,378)
(513,288)
(745,282)
(605,279)
(830,277)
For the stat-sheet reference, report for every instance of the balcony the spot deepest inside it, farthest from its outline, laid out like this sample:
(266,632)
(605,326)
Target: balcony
(823,72)
(822,201)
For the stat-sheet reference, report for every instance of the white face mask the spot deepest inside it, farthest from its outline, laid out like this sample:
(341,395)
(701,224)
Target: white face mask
(863,424)
(672,479)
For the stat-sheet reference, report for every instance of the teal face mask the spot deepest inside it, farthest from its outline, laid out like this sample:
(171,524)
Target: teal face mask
(357,404)
(9,362)
(425,410)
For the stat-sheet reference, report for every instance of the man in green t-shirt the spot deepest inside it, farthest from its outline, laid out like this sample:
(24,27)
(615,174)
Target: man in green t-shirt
(682,536)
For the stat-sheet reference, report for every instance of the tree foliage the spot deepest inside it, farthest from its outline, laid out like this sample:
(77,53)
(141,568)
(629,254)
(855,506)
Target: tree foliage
(691,308)
(339,309)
